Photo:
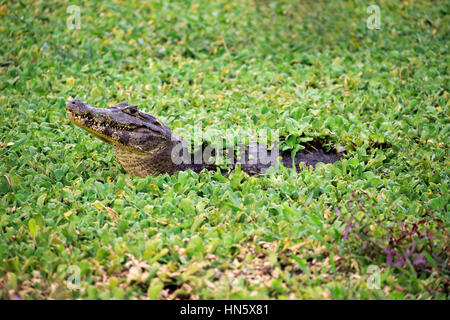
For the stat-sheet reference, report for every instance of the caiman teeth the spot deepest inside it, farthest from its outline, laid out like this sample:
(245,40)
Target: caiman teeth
(88,120)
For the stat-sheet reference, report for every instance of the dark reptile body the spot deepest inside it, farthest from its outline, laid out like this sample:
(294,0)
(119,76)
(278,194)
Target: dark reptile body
(143,144)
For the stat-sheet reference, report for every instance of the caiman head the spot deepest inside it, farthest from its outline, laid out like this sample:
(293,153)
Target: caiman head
(143,144)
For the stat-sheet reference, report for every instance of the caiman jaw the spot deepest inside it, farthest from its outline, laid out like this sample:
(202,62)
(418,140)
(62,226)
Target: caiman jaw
(86,123)
(97,122)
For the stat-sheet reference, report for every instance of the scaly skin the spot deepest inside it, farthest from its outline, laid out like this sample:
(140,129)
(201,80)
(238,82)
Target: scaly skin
(145,146)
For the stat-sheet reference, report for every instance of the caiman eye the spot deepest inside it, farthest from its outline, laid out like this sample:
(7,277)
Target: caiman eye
(131,110)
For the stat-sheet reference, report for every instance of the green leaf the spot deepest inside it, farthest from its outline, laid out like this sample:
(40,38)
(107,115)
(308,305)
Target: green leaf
(301,263)
(197,222)
(290,210)
(291,140)
(156,286)
(4,186)
(430,259)
(40,201)
(32,227)
(187,206)
(102,253)
(195,247)
(353,162)
(122,226)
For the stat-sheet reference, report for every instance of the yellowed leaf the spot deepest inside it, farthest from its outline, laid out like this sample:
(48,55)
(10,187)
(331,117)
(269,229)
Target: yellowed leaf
(98,205)
(68,214)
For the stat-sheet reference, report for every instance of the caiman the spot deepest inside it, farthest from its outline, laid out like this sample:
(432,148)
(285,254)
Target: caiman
(145,145)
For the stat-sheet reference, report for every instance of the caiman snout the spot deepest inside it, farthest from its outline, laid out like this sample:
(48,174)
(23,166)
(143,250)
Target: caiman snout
(76,105)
